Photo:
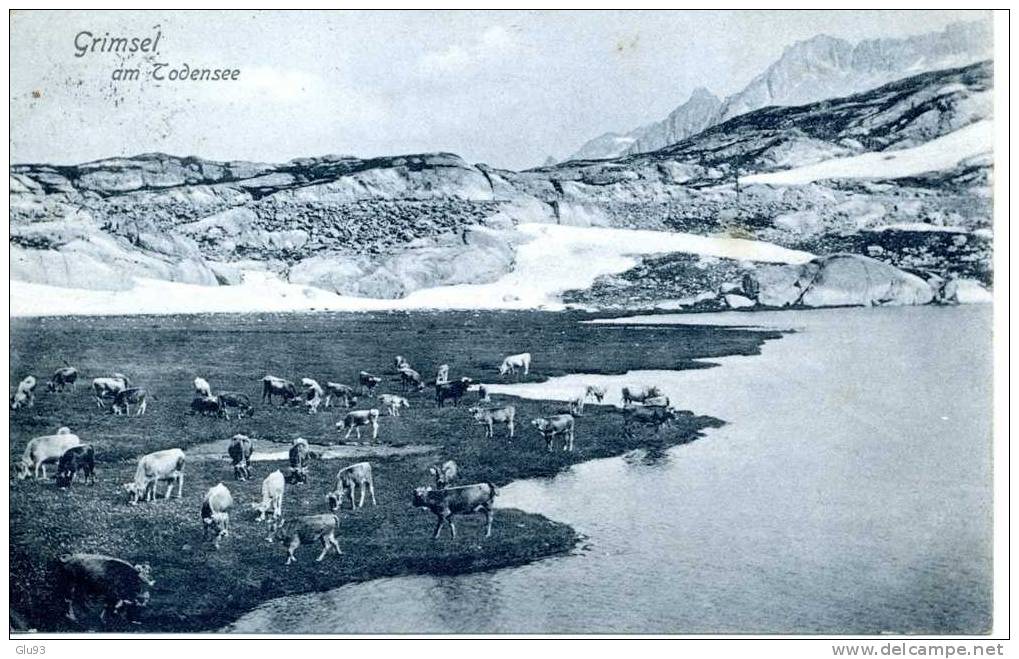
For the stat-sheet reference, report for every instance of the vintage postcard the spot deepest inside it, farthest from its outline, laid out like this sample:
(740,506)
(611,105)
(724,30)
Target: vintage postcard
(503,322)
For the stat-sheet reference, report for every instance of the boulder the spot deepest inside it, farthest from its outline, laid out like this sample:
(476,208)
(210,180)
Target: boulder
(840,280)
(738,301)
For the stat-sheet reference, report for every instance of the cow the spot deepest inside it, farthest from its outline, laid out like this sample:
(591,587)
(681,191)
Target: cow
(411,379)
(368,382)
(354,420)
(393,403)
(202,388)
(166,465)
(443,474)
(483,396)
(639,394)
(347,480)
(341,391)
(550,427)
(63,377)
(227,400)
(300,456)
(118,583)
(313,394)
(577,406)
(24,394)
(309,528)
(401,363)
(655,417)
(273,487)
(597,393)
(513,362)
(47,448)
(454,390)
(77,458)
(239,450)
(461,500)
(123,401)
(274,386)
(442,376)
(215,515)
(205,405)
(108,387)
(657,401)
(492,415)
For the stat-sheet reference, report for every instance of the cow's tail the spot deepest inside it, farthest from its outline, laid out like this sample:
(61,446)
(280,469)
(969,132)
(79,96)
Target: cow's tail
(495,490)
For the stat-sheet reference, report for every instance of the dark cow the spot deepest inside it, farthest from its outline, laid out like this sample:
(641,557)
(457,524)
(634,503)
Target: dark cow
(205,405)
(557,425)
(309,528)
(462,500)
(123,401)
(231,400)
(63,377)
(655,417)
(368,382)
(452,390)
(108,388)
(274,386)
(79,458)
(121,585)
(300,456)
(639,394)
(239,450)
(444,473)
(344,392)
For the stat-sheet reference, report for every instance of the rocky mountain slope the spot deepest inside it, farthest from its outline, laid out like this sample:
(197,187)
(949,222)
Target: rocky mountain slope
(386,227)
(808,71)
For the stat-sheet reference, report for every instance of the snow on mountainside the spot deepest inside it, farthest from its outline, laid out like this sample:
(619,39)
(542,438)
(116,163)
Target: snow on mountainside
(808,71)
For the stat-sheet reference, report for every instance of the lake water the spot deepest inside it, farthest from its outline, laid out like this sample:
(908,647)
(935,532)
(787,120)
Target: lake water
(850,492)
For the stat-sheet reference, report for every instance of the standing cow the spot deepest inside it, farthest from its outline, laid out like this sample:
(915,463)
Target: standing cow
(348,480)
(63,377)
(452,390)
(488,417)
(48,448)
(231,400)
(123,401)
(77,458)
(308,529)
(393,403)
(121,585)
(300,456)
(554,426)
(154,467)
(273,488)
(514,362)
(274,386)
(462,500)
(215,515)
(24,395)
(202,387)
(355,420)
(240,450)
(344,392)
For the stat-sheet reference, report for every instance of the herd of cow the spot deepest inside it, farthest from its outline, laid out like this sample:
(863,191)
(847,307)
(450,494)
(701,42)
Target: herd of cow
(124,587)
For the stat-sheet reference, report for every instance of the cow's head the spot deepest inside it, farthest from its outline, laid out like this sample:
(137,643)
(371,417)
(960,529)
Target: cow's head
(504,368)
(334,499)
(134,492)
(51,386)
(18,400)
(421,497)
(144,572)
(540,424)
(217,523)
(23,469)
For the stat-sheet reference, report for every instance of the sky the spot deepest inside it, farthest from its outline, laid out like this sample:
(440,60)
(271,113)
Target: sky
(505,88)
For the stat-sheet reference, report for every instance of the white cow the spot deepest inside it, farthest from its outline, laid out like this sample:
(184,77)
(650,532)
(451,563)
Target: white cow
(47,448)
(513,362)
(165,465)
(273,488)
(202,388)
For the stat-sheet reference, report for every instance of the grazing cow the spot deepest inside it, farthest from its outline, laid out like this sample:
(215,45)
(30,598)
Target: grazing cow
(550,427)
(354,420)
(167,465)
(77,458)
(309,528)
(273,487)
(442,376)
(108,388)
(313,394)
(300,456)
(444,474)
(401,363)
(639,394)
(657,401)
(368,382)
(393,403)
(655,417)
(239,450)
(228,400)
(48,448)
(411,379)
(205,405)
(454,390)
(493,415)
(341,391)
(63,377)
(123,401)
(24,394)
(118,583)
(347,480)
(462,500)
(513,362)
(215,518)
(202,388)
(597,393)
(274,386)
(577,406)
(483,396)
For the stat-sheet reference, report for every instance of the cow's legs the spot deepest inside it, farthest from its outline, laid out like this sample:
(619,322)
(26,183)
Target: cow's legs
(352,505)
(295,542)
(141,408)
(511,428)
(325,549)
(335,543)
(349,430)
(438,527)
(169,488)
(452,527)
(361,502)
(488,522)
(375,430)
(371,489)
(180,485)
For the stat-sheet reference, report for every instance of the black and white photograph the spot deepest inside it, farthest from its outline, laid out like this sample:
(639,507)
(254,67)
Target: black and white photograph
(506,323)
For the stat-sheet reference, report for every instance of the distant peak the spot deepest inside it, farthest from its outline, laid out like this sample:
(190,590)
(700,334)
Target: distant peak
(701,93)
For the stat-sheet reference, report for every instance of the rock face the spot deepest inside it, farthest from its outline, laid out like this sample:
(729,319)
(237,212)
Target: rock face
(809,71)
(839,280)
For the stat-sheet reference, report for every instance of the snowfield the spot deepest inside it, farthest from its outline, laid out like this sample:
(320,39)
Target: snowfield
(555,259)
(942,153)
